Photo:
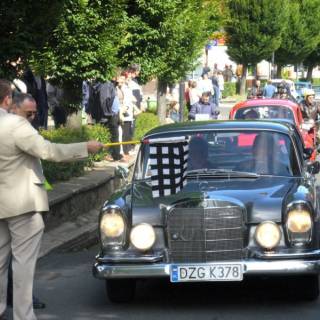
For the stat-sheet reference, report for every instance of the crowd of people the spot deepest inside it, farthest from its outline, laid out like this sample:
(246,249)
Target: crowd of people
(203,96)
(115,104)
(310,109)
(281,91)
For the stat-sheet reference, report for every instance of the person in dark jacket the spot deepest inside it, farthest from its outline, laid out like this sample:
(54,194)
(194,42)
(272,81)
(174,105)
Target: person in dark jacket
(256,91)
(205,108)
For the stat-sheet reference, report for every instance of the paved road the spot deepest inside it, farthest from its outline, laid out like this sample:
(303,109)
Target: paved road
(65,282)
(225,108)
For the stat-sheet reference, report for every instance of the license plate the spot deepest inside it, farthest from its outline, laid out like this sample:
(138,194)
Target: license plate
(207,272)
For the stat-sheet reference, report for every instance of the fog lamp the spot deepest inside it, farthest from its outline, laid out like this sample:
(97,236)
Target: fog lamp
(268,234)
(142,236)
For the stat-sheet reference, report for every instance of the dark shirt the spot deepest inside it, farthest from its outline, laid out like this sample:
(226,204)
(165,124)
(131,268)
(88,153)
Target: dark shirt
(201,108)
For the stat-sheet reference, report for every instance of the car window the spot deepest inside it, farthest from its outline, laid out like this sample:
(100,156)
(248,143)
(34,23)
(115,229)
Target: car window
(262,152)
(265,112)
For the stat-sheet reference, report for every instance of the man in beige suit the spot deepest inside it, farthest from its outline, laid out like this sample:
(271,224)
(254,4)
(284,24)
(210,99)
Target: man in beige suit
(23,198)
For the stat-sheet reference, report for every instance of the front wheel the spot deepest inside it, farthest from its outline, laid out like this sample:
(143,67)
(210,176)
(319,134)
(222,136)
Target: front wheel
(120,290)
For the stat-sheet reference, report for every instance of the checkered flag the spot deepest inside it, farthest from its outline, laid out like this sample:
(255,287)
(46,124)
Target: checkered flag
(168,162)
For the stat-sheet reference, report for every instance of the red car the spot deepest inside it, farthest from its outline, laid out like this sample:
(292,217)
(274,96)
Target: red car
(276,109)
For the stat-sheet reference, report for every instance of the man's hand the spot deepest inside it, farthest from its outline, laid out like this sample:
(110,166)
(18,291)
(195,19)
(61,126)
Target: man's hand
(94,146)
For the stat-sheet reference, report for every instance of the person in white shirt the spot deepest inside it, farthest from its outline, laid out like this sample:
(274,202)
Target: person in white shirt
(205,84)
(220,83)
(194,93)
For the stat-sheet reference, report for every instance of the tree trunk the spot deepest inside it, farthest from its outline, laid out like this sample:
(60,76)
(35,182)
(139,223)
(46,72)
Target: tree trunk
(243,79)
(279,70)
(309,72)
(161,100)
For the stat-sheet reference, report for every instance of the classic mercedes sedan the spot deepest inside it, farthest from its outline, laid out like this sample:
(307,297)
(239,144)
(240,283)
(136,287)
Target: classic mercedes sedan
(246,204)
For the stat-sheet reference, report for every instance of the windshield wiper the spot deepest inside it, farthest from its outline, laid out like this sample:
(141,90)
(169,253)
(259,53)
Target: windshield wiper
(222,172)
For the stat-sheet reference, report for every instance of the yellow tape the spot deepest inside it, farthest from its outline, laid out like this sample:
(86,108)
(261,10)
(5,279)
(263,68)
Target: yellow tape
(111,144)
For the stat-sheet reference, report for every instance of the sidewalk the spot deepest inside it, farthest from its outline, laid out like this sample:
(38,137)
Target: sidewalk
(69,225)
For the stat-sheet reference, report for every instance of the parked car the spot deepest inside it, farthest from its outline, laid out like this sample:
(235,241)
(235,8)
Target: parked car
(290,83)
(277,109)
(249,207)
(300,87)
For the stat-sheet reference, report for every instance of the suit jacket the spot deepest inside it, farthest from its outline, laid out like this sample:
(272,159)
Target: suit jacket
(3,112)
(21,177)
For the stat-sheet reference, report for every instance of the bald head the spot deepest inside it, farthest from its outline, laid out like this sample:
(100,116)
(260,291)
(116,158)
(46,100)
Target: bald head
(25,106)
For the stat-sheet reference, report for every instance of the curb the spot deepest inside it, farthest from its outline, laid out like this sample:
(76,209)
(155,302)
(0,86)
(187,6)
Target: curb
(72,230)
(72,235)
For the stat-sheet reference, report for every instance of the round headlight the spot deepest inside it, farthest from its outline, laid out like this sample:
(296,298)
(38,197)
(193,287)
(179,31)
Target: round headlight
(142,236)
(268,234)
(299,221)
(112,225)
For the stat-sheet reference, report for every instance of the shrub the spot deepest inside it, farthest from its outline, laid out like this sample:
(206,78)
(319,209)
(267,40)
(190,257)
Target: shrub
(229,89)
(54,171)
(100,133)
(145,122)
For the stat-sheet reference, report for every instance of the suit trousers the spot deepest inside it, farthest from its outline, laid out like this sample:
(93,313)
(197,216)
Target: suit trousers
(20,237)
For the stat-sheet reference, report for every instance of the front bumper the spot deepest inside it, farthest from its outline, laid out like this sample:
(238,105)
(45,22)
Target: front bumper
(250,267)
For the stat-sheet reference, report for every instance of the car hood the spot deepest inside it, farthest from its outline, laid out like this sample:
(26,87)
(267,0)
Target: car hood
(263,198)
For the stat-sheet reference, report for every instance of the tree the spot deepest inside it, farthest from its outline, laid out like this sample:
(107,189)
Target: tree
(311,61)
(166,38)
(302,35)
(84,45)
(25,26)
(254,29)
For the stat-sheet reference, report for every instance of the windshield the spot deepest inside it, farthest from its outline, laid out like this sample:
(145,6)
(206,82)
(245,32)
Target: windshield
(259,152)
(265,112)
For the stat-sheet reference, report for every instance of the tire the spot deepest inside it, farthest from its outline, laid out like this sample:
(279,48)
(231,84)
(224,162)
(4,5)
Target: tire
(120,290)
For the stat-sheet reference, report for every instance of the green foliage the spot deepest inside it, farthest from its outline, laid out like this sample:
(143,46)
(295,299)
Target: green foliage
(145,122)
(316,81)
(313,58)
(229,89)
(152,106)
(254,28)
(302,35)
(25,25)
(84,45)
(99,133)
(166,37)
(54,171)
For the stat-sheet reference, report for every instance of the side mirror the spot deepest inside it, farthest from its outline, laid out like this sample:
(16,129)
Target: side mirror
(313,167)
(307,153)
(121,172)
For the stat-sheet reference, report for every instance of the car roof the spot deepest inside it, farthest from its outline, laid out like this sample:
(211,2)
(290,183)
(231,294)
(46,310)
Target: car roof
(266,102)
(268,125)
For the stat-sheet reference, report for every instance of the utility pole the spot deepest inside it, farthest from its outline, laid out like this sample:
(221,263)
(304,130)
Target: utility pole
(181,99)
(272,64)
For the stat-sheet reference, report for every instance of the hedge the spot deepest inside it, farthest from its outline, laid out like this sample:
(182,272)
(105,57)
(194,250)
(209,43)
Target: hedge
(229,89)
(55,171)
(145,122)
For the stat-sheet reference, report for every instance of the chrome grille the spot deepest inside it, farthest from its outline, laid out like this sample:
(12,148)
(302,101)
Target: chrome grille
(206,234)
